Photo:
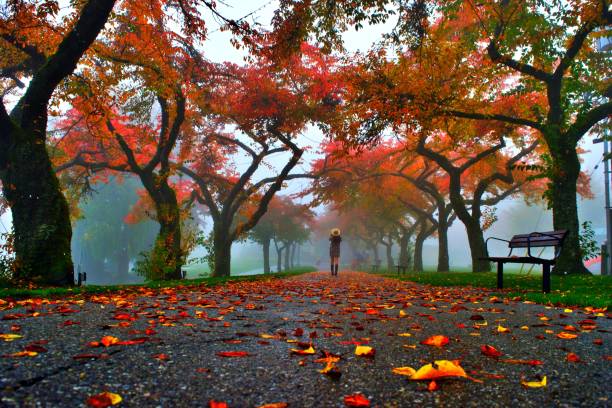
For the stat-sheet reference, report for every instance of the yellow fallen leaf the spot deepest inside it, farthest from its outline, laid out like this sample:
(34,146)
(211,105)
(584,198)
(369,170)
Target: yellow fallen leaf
(409,371)
(404,334)
(411,346)
(439,369)
(548,331)
(524,327)
(308,351)
(365,351)
(10,336)
(502,329)
(534,384)
(24,354)
(567,310)
(402,313)
(267,336)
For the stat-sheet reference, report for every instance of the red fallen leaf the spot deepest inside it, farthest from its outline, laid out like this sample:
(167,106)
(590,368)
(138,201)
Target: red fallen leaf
(299,332)
(103,400)
(139,340)
(15,328)
(525,362)
(356,400)
(162,356)
(372,311)
(122,316)
(94,344)
(13,316)
(432,386)
(476,317)
(460,325)
(150,332)
(69,323)
(35,347)
(573,357)
(232,341)
(263,342)
(217,404)
(490,351)
(233,354)
(598,342)
(313,335)
(437,341)
(203,370)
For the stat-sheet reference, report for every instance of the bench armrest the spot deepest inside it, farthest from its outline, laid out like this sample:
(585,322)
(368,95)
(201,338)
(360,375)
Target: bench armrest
(542,234)
(496,239)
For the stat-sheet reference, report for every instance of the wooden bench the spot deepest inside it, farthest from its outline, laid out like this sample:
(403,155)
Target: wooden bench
(533,240)
(402,268)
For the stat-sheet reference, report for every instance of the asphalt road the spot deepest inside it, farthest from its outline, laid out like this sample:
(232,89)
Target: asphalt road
(173,337)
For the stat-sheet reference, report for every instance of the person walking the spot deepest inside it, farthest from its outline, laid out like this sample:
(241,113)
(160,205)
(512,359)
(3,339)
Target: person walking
(334,250)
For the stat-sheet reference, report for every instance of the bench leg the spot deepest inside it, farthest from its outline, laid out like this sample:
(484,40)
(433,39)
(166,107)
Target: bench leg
(500,275)
(546,278)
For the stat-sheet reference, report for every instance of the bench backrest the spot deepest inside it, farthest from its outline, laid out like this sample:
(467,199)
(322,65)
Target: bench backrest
(538,239)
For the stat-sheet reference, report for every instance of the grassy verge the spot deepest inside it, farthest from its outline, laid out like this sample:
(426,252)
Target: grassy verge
(570,290)
(44,292)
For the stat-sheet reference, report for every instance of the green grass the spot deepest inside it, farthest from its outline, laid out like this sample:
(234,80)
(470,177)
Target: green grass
(239,265)
(44,292)
(569,290)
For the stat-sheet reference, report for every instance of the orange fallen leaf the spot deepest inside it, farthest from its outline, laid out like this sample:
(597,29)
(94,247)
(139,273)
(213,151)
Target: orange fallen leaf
(437,340)
(356,400)
(274,405)
(567,336)
(365,351)
(490,351)
(439,369)
(109,340)
(233,354)
(534,384)
(104,399)
(217,404)
(432,386)
(162,356)
(408,371)
(24,353)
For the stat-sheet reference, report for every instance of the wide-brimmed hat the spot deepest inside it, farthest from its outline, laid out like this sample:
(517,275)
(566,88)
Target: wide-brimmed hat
(335,232)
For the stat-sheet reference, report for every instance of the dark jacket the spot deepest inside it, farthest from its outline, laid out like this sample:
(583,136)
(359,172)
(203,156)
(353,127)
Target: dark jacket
(334,246)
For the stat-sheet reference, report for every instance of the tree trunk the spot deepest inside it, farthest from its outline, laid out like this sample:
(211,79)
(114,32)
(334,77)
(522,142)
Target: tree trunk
(299,255)
(418,248)
(266,255)
(287,256)
(40,213)
(166,256)
(293,249)
(279,259)
(565,171)
(223,251)
(376,256)
(388,250)
(404,256)
(443,259)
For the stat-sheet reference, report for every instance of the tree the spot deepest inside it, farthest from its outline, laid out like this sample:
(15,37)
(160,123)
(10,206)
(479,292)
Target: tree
(46,55)
(256,110)
(549,49)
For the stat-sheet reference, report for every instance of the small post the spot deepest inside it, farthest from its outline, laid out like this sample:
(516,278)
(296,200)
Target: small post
(79,279)
(546,277)
(500,275)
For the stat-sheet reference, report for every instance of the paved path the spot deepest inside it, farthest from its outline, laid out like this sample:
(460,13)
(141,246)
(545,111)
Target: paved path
(174,337)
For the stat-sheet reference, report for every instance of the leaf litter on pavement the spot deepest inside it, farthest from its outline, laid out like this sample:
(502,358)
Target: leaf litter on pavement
(340,329)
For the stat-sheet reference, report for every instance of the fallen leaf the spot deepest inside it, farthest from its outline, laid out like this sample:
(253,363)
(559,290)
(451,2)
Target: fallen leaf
(233,354)
(573,358)
(274,405)
(490,351)
(364,351)
(566,335)
(437,341)
(104,399)
(217,404)
(408,371)
(310,350)
(10,336)
(356,400)
(534,384)
(432,386)
(109,340)
(502,329)
(24,353)
(525,362)
(439,369)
